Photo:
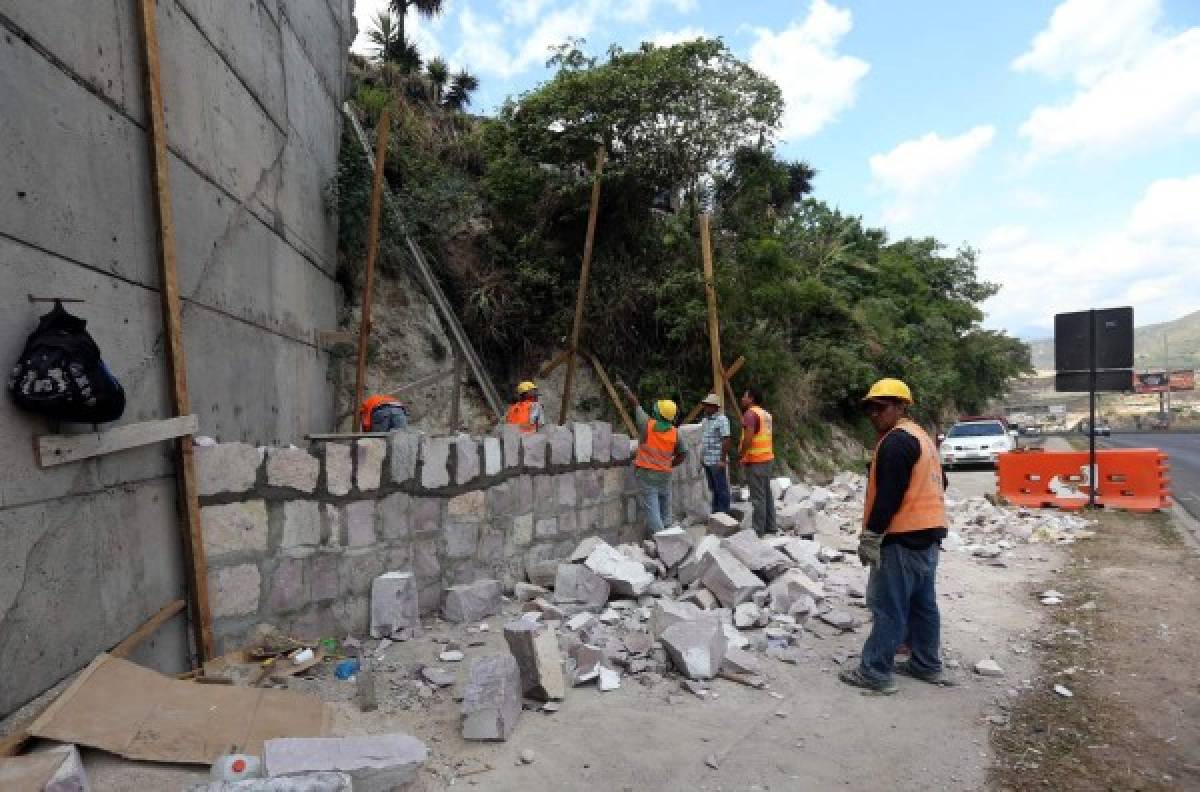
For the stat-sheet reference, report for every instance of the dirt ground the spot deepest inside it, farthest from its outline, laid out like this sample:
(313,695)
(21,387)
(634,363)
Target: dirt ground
(1133,723)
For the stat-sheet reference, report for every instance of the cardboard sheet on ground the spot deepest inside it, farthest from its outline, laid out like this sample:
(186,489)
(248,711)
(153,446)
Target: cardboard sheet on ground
(29,773)
(126,709)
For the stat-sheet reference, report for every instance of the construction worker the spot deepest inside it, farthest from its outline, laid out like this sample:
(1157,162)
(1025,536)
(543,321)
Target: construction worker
(904,521)
(660,449)
(757,453)
(526,411)
(715,442)
(382,413)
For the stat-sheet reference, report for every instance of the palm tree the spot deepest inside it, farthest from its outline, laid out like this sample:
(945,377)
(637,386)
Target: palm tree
(437,72)
(426,8)
(461,88)
(390,44)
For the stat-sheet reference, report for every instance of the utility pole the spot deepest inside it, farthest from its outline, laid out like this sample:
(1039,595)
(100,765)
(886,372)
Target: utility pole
(1167,370)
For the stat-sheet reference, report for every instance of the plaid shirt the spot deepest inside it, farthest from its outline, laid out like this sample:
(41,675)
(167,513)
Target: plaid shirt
(715,429)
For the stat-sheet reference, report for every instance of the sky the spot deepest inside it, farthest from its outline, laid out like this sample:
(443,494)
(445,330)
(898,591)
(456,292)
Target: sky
(1061,140)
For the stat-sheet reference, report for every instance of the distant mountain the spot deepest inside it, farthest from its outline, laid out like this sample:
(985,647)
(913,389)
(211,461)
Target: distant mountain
(1183,345)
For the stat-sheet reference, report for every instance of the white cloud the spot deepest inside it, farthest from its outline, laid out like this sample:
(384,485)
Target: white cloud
(522,12)
(1151,262)
(668,38)
(919,169)
(1087,37)
(1135,82)
(817,82)
(481,47)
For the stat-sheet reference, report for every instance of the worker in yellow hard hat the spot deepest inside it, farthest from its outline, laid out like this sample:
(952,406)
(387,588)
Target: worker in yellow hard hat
(526,412)
(660,449)
(904,522)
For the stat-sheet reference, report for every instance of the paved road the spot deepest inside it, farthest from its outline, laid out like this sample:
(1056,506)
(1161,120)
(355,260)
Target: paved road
(1184,452)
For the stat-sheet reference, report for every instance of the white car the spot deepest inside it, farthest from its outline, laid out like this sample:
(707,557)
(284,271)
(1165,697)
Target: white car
(975,443)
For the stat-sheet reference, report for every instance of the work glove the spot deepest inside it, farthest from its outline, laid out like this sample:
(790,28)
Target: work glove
(869,545)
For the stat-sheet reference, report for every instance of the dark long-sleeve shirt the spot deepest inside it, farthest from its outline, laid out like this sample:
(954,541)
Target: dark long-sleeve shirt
(893,464)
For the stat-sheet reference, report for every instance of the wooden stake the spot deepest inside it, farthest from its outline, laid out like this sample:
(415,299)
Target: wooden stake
(193,545)
(581,297)
(364,332)
(710,293)
(612,393)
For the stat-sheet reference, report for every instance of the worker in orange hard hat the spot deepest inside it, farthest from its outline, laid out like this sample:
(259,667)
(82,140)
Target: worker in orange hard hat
(526,412)
(660,450)
(382,413)
(904,522)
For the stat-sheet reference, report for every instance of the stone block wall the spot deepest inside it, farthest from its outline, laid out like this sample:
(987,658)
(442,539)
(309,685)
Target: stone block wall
(295,537)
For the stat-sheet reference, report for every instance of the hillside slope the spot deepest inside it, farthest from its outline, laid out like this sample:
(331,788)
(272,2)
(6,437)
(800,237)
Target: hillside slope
(1183,345)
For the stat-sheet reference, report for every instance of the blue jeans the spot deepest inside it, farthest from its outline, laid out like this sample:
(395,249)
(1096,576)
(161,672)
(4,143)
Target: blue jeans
(718,484)
(655,499)
(903,603)
(389,418)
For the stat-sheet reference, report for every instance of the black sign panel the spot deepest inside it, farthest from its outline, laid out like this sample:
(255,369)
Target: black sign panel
(1077,381)
(1114,340)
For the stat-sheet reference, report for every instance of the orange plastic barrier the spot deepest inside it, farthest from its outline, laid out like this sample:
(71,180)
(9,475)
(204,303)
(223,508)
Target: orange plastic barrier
(1128,478)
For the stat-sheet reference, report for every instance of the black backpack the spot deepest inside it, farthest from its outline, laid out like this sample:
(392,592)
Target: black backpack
(60,374)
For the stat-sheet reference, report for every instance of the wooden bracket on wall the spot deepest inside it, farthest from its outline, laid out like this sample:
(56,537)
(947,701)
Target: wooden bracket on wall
(59,449)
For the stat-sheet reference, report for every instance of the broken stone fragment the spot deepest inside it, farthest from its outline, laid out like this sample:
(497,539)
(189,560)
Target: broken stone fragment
(584,549)
(721,524)
(672,546)
(748,615)
(578,583)
(584,665)
(304,782)
(697,561)
(536,651)
(625,576)
(739,661)
(638,643)
(840,619)
(702,598)
(472,602)
(757,555)
(492,698)
(377,762)
(989,667)
(395,612)
(667,589)
(609,679)
(548,611)
(524,592)
(437,677)
(792,587)
(696,648)
(729,579)
(542,573)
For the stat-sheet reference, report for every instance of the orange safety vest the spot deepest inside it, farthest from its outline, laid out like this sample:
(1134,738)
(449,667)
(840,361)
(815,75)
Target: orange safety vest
(762,447)
(369,405)
(924,503)
(657,450)
(521,414)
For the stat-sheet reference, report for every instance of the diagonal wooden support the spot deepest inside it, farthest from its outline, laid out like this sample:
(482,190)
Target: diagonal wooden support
(727,375)
(612,392)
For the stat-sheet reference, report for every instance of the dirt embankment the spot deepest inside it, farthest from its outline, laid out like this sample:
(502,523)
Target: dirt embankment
(1123,643)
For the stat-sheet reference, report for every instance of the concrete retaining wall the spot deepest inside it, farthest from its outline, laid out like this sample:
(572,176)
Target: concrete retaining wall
(252,91)
(295,537)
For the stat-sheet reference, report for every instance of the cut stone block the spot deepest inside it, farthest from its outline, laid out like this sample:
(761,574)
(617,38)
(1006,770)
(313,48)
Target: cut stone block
(584,549)
(339,468)
(394,610)
(792,587)
(492,698)
(746,615)
(625,576)
(779,486)
(534,450)
(743,513)
(668,612)
(406,447)
(466,458)
(524,592)
(583,442)
(375,764)
(435,457)
(692,568)
(702,598)
(584,665)
(721,524)
(601,441)
(293,468)
(729,579)
(578,583)
(562,445)
(666,589)
(361,517)
(234,528)
(301,524)
(739,661)
(305,782)
(989,667)
(234,591)
(536,651)
(622,447)
(369,454)
(609,679)
(472,602)
(493,456)
(673,545)
(69,777)
(757,555)
(696,648)
(797,494)
(543,573)
(226,467)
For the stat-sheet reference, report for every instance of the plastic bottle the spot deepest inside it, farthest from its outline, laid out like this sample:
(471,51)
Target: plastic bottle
(235,767)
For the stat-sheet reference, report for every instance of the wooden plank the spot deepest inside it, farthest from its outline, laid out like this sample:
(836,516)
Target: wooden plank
(612,393)
(326,339)
(382,132)
(710,295)
(727,376)
(581,295)
(193,546)
(126,647)
(54,450)
(554,363)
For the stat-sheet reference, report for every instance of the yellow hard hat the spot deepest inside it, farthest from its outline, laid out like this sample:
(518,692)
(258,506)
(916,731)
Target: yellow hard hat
(667,409)
(888,388)
(525,387)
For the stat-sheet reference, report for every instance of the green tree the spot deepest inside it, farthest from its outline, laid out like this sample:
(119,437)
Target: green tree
(391,47)
(426,8)
(461,87)
(437,73)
